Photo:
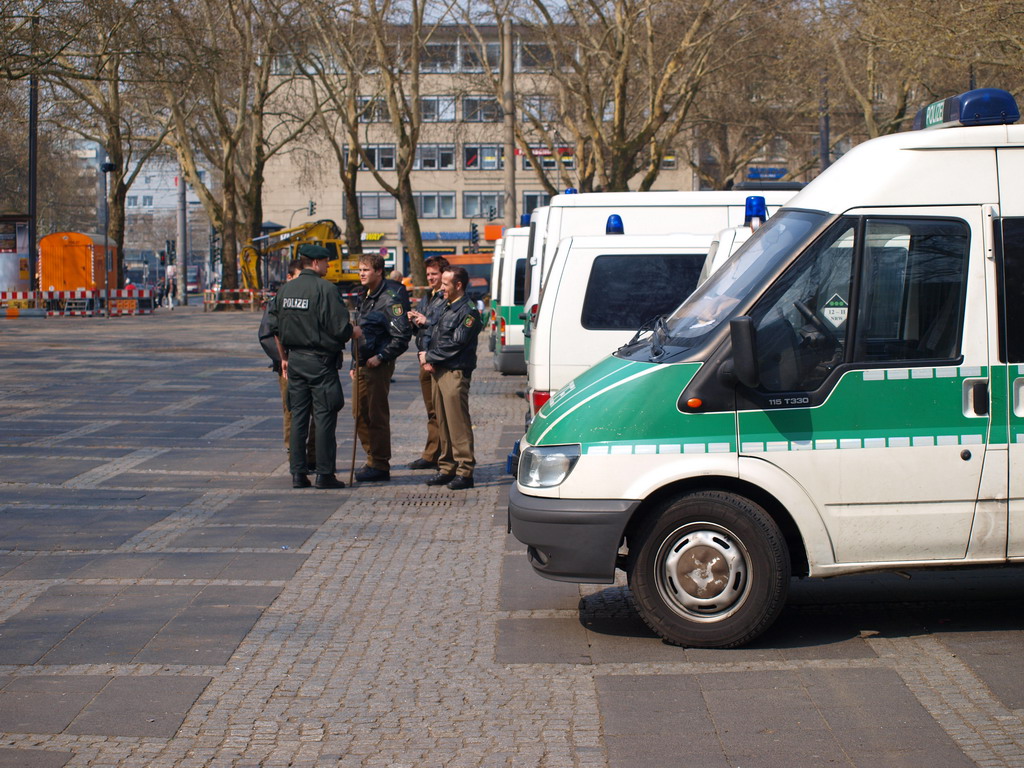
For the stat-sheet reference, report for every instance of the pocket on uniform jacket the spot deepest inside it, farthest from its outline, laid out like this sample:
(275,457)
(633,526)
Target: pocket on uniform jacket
(334,395)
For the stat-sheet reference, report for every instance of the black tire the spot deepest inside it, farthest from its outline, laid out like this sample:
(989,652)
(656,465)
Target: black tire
(742,586)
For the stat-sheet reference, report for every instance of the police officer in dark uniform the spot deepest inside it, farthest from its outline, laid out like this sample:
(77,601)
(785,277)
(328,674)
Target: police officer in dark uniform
(451,358)
(383,334)
(424,317)
(311,324)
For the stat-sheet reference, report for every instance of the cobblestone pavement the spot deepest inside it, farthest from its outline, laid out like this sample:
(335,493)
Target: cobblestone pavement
(166,599)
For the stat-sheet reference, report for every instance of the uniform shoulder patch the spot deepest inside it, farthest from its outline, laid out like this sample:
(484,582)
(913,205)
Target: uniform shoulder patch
(468,321)
(396,309)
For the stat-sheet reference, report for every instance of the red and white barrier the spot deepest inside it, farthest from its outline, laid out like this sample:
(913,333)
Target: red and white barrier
(79,303)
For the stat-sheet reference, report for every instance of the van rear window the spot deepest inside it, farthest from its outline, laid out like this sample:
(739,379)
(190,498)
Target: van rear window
(519,294)
(624,292)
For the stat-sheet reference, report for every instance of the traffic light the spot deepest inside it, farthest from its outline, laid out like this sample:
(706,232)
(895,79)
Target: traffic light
(492,213)
(163,258)
(474,235)
(312,207)
(171,250)
(214,243)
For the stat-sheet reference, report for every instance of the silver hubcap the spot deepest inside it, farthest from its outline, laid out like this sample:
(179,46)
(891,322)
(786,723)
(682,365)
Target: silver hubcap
(702,572)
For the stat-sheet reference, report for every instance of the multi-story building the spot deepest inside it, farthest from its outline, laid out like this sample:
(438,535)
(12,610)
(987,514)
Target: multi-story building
(458,177)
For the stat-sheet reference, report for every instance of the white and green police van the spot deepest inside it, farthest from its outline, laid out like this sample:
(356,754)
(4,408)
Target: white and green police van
(845,394)
(507,299)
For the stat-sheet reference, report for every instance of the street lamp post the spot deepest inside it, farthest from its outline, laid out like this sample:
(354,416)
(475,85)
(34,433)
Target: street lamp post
(105,168)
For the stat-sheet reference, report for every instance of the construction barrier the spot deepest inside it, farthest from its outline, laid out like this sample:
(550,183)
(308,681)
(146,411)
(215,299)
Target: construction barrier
(237,297)
(83,303)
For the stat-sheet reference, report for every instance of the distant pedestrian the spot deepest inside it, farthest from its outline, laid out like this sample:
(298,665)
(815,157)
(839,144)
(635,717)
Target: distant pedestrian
(383,334)
(311,324)
(450,358)
(424,317)
(269,343)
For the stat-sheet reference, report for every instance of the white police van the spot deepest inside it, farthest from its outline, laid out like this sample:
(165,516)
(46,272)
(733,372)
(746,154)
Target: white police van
(647,213)
(507,299)
(846,394)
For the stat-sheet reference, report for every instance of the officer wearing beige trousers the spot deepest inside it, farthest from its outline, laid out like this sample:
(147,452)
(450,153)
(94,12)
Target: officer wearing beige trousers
(451,358)
(424,317)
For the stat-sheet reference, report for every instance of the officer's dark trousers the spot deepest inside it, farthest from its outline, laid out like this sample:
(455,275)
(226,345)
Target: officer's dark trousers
(373,415)
(313,385)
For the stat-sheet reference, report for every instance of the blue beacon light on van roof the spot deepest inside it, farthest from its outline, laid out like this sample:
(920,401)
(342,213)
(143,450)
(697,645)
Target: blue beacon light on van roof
(524,220)
(614,225)
(755,211)
(571,191)
(982,106)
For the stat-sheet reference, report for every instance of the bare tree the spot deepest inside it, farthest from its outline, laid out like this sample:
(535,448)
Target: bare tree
(218,85)
(63,201)
(339,51)
(95,89)
(627,73)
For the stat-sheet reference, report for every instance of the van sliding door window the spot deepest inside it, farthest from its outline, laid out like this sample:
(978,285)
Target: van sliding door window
(1011,289)
(907,305)
(625,292)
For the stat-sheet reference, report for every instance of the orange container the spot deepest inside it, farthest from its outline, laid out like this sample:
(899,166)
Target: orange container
(73,261)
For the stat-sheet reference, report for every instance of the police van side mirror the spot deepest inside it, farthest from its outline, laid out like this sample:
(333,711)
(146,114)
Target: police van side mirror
(742,367)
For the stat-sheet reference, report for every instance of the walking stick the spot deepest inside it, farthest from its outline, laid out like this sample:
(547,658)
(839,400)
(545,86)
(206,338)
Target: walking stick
(355,409)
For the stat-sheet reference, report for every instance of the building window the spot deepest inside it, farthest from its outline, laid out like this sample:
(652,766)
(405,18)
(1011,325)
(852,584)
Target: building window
(533,200)
(541,108)
(439,57)
(376,205)
(132,201)
(483,157)
(473,56)
(549,160)
(437,109)
(435,205)
(434,157)
(488,205)
(381,155)
(535,57)
(481,109)
(372,109)
(147,201)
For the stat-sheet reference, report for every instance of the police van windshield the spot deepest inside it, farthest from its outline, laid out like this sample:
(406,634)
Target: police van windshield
(720,298)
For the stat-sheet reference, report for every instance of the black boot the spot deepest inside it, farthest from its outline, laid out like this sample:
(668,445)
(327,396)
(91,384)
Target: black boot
(328,481)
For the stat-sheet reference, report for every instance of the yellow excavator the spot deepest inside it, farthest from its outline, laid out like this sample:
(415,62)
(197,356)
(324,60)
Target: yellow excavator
(342,269)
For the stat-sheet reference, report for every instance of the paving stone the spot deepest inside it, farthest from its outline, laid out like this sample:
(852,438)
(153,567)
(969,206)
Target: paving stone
(46,704)
(522,589)
(995,656)
(33,758)
(541,641)
(140,706)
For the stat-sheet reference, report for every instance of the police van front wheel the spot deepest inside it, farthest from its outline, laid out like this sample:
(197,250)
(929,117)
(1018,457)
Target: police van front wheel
(711,571)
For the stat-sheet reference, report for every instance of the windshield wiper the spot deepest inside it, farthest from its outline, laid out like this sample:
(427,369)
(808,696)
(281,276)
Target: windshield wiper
(658,337)
(651,322)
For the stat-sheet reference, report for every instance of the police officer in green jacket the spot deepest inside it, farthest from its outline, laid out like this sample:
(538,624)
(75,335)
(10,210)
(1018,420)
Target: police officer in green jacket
(311,325)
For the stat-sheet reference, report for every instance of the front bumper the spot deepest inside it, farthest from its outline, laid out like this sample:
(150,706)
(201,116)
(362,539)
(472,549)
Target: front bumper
(570,539)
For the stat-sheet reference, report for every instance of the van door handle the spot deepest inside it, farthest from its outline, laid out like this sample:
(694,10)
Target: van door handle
(979,397)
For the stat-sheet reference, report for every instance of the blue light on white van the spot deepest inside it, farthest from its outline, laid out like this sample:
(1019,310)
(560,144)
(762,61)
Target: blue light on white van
(755,212)
(524,220)
(614,225)
(571,191)
(982,106)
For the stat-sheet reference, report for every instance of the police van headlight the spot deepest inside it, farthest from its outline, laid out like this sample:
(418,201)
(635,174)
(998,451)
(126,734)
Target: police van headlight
(547,466)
